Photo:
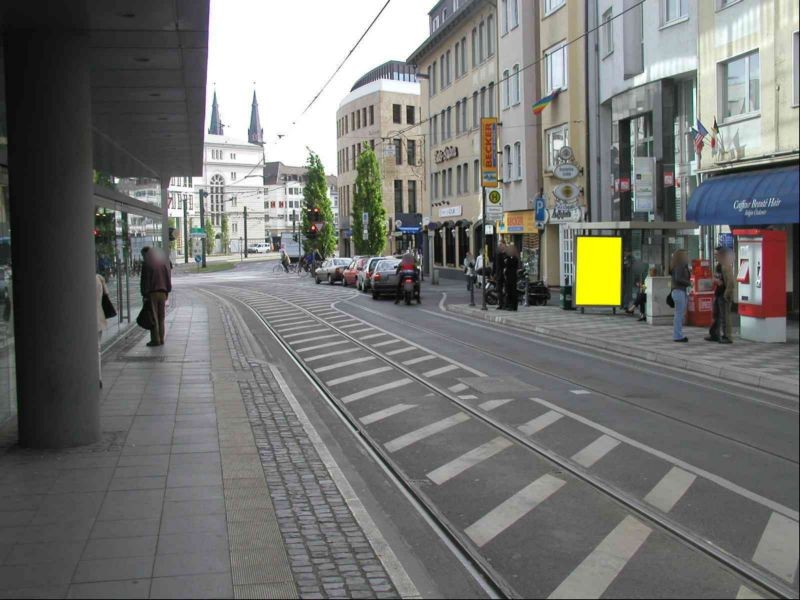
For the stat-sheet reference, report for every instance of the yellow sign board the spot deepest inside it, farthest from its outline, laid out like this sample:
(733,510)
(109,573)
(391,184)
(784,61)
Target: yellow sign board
(598,271)
(519,221)
(489,169)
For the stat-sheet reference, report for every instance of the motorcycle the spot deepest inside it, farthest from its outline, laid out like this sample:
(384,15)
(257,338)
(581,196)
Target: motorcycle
(410,288)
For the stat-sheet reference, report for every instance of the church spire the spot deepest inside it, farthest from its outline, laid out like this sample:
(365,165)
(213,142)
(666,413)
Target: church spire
(255,135)
(216,127)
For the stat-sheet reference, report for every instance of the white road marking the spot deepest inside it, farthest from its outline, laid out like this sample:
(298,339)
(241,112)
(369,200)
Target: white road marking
(720,481)
(503,516)
(401,350)
(540,422)
(591,578)
(346,363)
(470,459)
(386,413)
(440,371)
(297,328)
(492,404)
(350,326)
(777,550)
(320,346)
(313,338)
(282,319)
(375,390)
(459,387)
(580,392)
(386,343)
(420,359)
(747,594)
(595,451)
(329,354)
(468,397)
(420,434)
(372,336)
(358,375)
(667,492)
(295,335)
(365,330)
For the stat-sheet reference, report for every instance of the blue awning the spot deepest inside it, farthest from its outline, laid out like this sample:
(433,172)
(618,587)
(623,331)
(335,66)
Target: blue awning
(766,197)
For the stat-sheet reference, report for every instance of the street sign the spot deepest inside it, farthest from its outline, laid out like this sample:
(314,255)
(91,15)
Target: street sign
(365,219)
(540,208)
(489,175)
(198,258)
(566,191)
(365,234)
(494,206)
(565,171)
(198,232)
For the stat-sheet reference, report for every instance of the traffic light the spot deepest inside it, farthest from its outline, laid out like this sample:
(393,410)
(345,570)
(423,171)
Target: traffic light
(313,230)
(171,234)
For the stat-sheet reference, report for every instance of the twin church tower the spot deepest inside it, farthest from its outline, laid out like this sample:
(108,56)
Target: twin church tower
(255,134)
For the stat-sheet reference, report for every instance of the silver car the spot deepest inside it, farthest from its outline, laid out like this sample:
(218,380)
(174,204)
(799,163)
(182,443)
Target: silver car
(365,276)
(332,270)
(384,279)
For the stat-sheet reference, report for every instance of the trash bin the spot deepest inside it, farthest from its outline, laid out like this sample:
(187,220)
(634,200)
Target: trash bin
(566,296)
(701,309)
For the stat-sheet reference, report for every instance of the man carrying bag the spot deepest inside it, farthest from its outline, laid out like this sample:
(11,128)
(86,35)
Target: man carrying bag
(155,285)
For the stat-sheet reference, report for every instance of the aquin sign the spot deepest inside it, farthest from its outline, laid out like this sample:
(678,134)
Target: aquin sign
(565,171)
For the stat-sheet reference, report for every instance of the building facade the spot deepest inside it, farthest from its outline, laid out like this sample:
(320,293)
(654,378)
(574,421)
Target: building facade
(458,63)
(520,134)
(382,112)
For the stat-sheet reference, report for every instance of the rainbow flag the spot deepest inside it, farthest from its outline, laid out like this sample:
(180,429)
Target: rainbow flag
(539,106)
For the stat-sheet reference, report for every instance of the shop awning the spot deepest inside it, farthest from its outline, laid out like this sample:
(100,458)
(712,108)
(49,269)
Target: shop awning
(766,197)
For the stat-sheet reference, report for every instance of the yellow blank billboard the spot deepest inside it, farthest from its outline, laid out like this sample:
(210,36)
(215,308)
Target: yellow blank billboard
(598,271)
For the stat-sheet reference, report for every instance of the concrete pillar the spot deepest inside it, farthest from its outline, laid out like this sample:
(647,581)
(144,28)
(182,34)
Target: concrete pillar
(52,217)
(165,244)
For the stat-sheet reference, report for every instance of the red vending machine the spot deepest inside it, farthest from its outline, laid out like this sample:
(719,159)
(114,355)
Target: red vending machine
(701,300)
(761,279)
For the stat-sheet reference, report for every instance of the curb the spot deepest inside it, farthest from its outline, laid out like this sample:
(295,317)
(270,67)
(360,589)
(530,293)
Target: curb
(755,379)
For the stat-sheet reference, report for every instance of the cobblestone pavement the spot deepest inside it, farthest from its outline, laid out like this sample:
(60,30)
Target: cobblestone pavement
(771,366)
(329,554)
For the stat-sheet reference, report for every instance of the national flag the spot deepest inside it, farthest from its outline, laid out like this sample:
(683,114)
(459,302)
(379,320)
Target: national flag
(714,136)
(543,103)
(699,135)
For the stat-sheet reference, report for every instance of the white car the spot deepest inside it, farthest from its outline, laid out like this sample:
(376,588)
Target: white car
(260,248)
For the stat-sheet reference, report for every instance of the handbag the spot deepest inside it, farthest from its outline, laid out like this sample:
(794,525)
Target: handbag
(670,300)
(145,318)
(108,308)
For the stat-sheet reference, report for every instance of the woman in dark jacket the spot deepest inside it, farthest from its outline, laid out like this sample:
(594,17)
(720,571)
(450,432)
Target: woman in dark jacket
(681,280)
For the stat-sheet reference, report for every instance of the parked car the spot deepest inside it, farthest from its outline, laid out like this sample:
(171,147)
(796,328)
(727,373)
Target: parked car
(384,279)
(260,248)
(364,276)
(332,270)
(351,272)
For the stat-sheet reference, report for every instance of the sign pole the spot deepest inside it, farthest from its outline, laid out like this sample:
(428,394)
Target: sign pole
(483,249)
(203,225)
(245,232)
(185,231)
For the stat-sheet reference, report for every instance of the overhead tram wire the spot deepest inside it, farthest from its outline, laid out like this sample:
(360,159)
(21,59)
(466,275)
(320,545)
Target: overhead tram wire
(346,58)
(539,60)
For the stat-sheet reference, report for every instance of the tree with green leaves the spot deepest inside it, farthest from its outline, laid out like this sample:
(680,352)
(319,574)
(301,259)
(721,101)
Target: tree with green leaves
(210,237)
(368,198)
(315,196)
(225,235)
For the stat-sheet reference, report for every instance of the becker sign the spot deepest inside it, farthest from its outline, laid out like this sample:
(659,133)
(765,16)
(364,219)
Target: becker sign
(448,153)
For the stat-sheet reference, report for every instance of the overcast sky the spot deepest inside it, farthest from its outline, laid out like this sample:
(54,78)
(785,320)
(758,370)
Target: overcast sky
(290,49)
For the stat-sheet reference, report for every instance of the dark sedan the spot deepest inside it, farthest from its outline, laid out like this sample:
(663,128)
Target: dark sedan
(384,280)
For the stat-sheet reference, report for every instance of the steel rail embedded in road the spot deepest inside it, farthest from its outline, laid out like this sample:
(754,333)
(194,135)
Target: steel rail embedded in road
(667,525)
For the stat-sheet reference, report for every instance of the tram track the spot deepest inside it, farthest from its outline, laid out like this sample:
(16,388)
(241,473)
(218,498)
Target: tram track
(493,582)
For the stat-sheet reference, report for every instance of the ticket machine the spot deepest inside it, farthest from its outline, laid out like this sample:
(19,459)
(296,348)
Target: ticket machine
(761,278)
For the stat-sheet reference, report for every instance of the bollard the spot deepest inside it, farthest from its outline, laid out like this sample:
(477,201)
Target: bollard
(435,277)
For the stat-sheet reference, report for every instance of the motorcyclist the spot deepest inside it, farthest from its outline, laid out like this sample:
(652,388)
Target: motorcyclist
(406,267)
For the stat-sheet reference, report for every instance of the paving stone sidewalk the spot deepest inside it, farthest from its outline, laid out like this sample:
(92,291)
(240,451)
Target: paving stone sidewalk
(204,484)
(770,366)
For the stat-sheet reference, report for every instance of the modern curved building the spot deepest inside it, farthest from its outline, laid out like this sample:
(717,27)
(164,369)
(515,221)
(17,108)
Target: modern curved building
(381,112)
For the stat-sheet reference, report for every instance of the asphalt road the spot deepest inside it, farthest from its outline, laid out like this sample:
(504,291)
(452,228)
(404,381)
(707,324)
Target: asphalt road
(563,471)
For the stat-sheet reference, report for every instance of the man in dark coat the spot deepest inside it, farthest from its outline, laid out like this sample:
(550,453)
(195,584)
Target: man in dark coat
(499,275)
(156,285)
(512,267)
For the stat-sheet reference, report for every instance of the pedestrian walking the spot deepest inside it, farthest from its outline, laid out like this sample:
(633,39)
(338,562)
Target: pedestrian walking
(469,270)
(101,289)
(681,280)
(499,275)
(720,330)
(156,285)
(510,278)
